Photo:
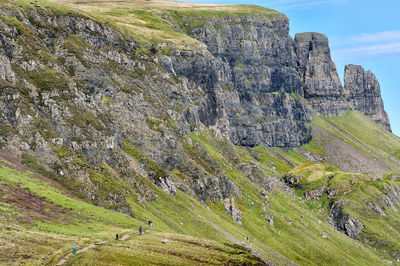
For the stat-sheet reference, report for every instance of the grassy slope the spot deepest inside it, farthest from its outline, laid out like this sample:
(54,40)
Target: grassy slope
(353,129)
(181,250)
(381,232)
(370,134)
(297,232)
(38,236)
(298,225)
(40,224)
(141,18)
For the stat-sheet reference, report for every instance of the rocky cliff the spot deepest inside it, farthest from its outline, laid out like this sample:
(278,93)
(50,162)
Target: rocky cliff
(323,88)
(190,116)
(363,90)
(248,74)
(261,87)
(79,97)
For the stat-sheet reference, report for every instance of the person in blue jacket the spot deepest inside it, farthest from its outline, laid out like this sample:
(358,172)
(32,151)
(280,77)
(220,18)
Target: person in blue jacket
(140,230)
(74,249)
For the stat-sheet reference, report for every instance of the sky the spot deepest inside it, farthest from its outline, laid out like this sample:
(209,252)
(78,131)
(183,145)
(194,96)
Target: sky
(360,32)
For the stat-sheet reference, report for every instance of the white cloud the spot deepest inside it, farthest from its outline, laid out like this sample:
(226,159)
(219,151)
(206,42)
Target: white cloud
(369,50)
(378,37)
(368,45)
(301,4)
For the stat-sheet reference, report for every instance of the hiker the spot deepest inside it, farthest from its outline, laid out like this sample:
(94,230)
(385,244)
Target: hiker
(74,249)
(150,223)
(116,236)
(140,230)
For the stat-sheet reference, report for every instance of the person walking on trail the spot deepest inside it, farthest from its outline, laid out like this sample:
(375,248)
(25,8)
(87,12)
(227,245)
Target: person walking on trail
(150,223)
(140,230)
(74,249)
(116,236)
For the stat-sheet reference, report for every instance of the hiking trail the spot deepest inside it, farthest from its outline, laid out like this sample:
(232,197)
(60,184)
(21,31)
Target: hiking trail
(86,248)
(253,250)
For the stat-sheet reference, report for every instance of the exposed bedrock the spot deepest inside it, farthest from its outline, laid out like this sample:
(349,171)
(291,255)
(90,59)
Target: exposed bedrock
(323,89)
(363,89)
(253,93)
(260,86)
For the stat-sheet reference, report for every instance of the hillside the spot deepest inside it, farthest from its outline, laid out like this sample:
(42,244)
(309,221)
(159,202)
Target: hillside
(238,142)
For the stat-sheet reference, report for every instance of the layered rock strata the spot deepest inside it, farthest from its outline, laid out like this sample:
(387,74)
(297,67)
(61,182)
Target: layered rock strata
(323,88)
(81,98)
(248,74)
(363,90)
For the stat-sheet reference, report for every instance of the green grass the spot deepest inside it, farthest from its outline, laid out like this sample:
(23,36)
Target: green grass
(369,133)
(181,250)
(266,157)
(296,233)
(359,132)
(142,20)
(47,80)
(298,225)
(86,210)
(45,237)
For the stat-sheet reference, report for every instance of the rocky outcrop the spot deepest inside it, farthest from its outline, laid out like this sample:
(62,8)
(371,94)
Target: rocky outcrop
(363,90)
(315,194)
(376,208)
(260,86)
(252,92)
(232,210)
(342,221)
(166,184)
(76,105)
(315,66)
(6,73)
(323,89)
(391,199)
(292,180)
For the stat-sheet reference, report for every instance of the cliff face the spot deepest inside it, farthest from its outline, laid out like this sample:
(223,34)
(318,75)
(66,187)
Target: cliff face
(261,86)
(80,96)
(323,88)
(364,92)
(315,66)
(249,77)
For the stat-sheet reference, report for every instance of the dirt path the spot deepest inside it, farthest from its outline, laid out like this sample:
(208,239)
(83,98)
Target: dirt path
(255,251)
(229,236)
(84,249)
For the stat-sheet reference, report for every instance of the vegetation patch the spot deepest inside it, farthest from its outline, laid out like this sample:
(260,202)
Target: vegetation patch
(47,79)
(30,207)
(155,124)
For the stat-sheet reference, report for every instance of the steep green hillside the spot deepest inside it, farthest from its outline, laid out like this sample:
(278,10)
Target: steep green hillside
(41,222)
(114,113)
(277,223)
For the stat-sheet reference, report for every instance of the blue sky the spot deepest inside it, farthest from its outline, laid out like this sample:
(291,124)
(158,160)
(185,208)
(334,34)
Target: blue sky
(362,32)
